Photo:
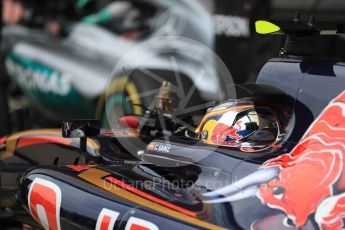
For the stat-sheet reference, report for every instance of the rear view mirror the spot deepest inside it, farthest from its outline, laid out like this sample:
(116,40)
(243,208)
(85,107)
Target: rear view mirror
(80,128)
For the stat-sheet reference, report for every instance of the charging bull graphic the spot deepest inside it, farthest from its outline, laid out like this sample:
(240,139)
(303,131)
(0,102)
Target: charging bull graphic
(224,124)
(309,182)
(226,134)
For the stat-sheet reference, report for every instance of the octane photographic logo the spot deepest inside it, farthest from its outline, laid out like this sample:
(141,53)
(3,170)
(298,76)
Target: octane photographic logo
(198,80)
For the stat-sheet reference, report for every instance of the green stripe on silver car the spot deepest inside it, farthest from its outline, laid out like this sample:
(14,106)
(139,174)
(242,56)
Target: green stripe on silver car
(47,88)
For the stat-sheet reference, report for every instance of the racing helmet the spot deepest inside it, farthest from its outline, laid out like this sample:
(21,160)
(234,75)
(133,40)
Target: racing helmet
(238,123)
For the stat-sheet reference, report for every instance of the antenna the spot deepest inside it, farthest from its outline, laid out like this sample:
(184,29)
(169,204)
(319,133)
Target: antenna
(311,21)
(297,17)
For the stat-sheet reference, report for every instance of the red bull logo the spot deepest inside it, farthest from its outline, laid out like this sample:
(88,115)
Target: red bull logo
(228,131)
(312,173)
(223,133)
(309,182)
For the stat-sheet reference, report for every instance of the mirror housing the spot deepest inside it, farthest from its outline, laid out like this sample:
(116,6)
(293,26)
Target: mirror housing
(80,128)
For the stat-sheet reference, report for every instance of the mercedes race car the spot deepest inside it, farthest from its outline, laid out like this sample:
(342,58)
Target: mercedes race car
(272,158)
(67,72)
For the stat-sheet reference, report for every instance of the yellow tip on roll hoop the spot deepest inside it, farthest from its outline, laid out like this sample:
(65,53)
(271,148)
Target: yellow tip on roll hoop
(266,27)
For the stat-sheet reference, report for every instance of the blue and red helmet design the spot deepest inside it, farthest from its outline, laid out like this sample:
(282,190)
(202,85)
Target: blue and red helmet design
(219,125)
(234,122)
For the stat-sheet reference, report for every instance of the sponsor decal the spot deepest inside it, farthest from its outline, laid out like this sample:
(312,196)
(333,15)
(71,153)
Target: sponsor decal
(34,76)
(159,148)
(226,134)
(231,26)
(135,223)
(162,148)
(308,184)
(44,202)
(106,219)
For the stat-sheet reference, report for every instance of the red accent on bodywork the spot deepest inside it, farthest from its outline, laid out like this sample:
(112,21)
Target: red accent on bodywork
(105,222)
(310,172)
(138,227)
(27,141)
(46,197)
(3,139)
(150,197)
(80,168)
(129,121)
